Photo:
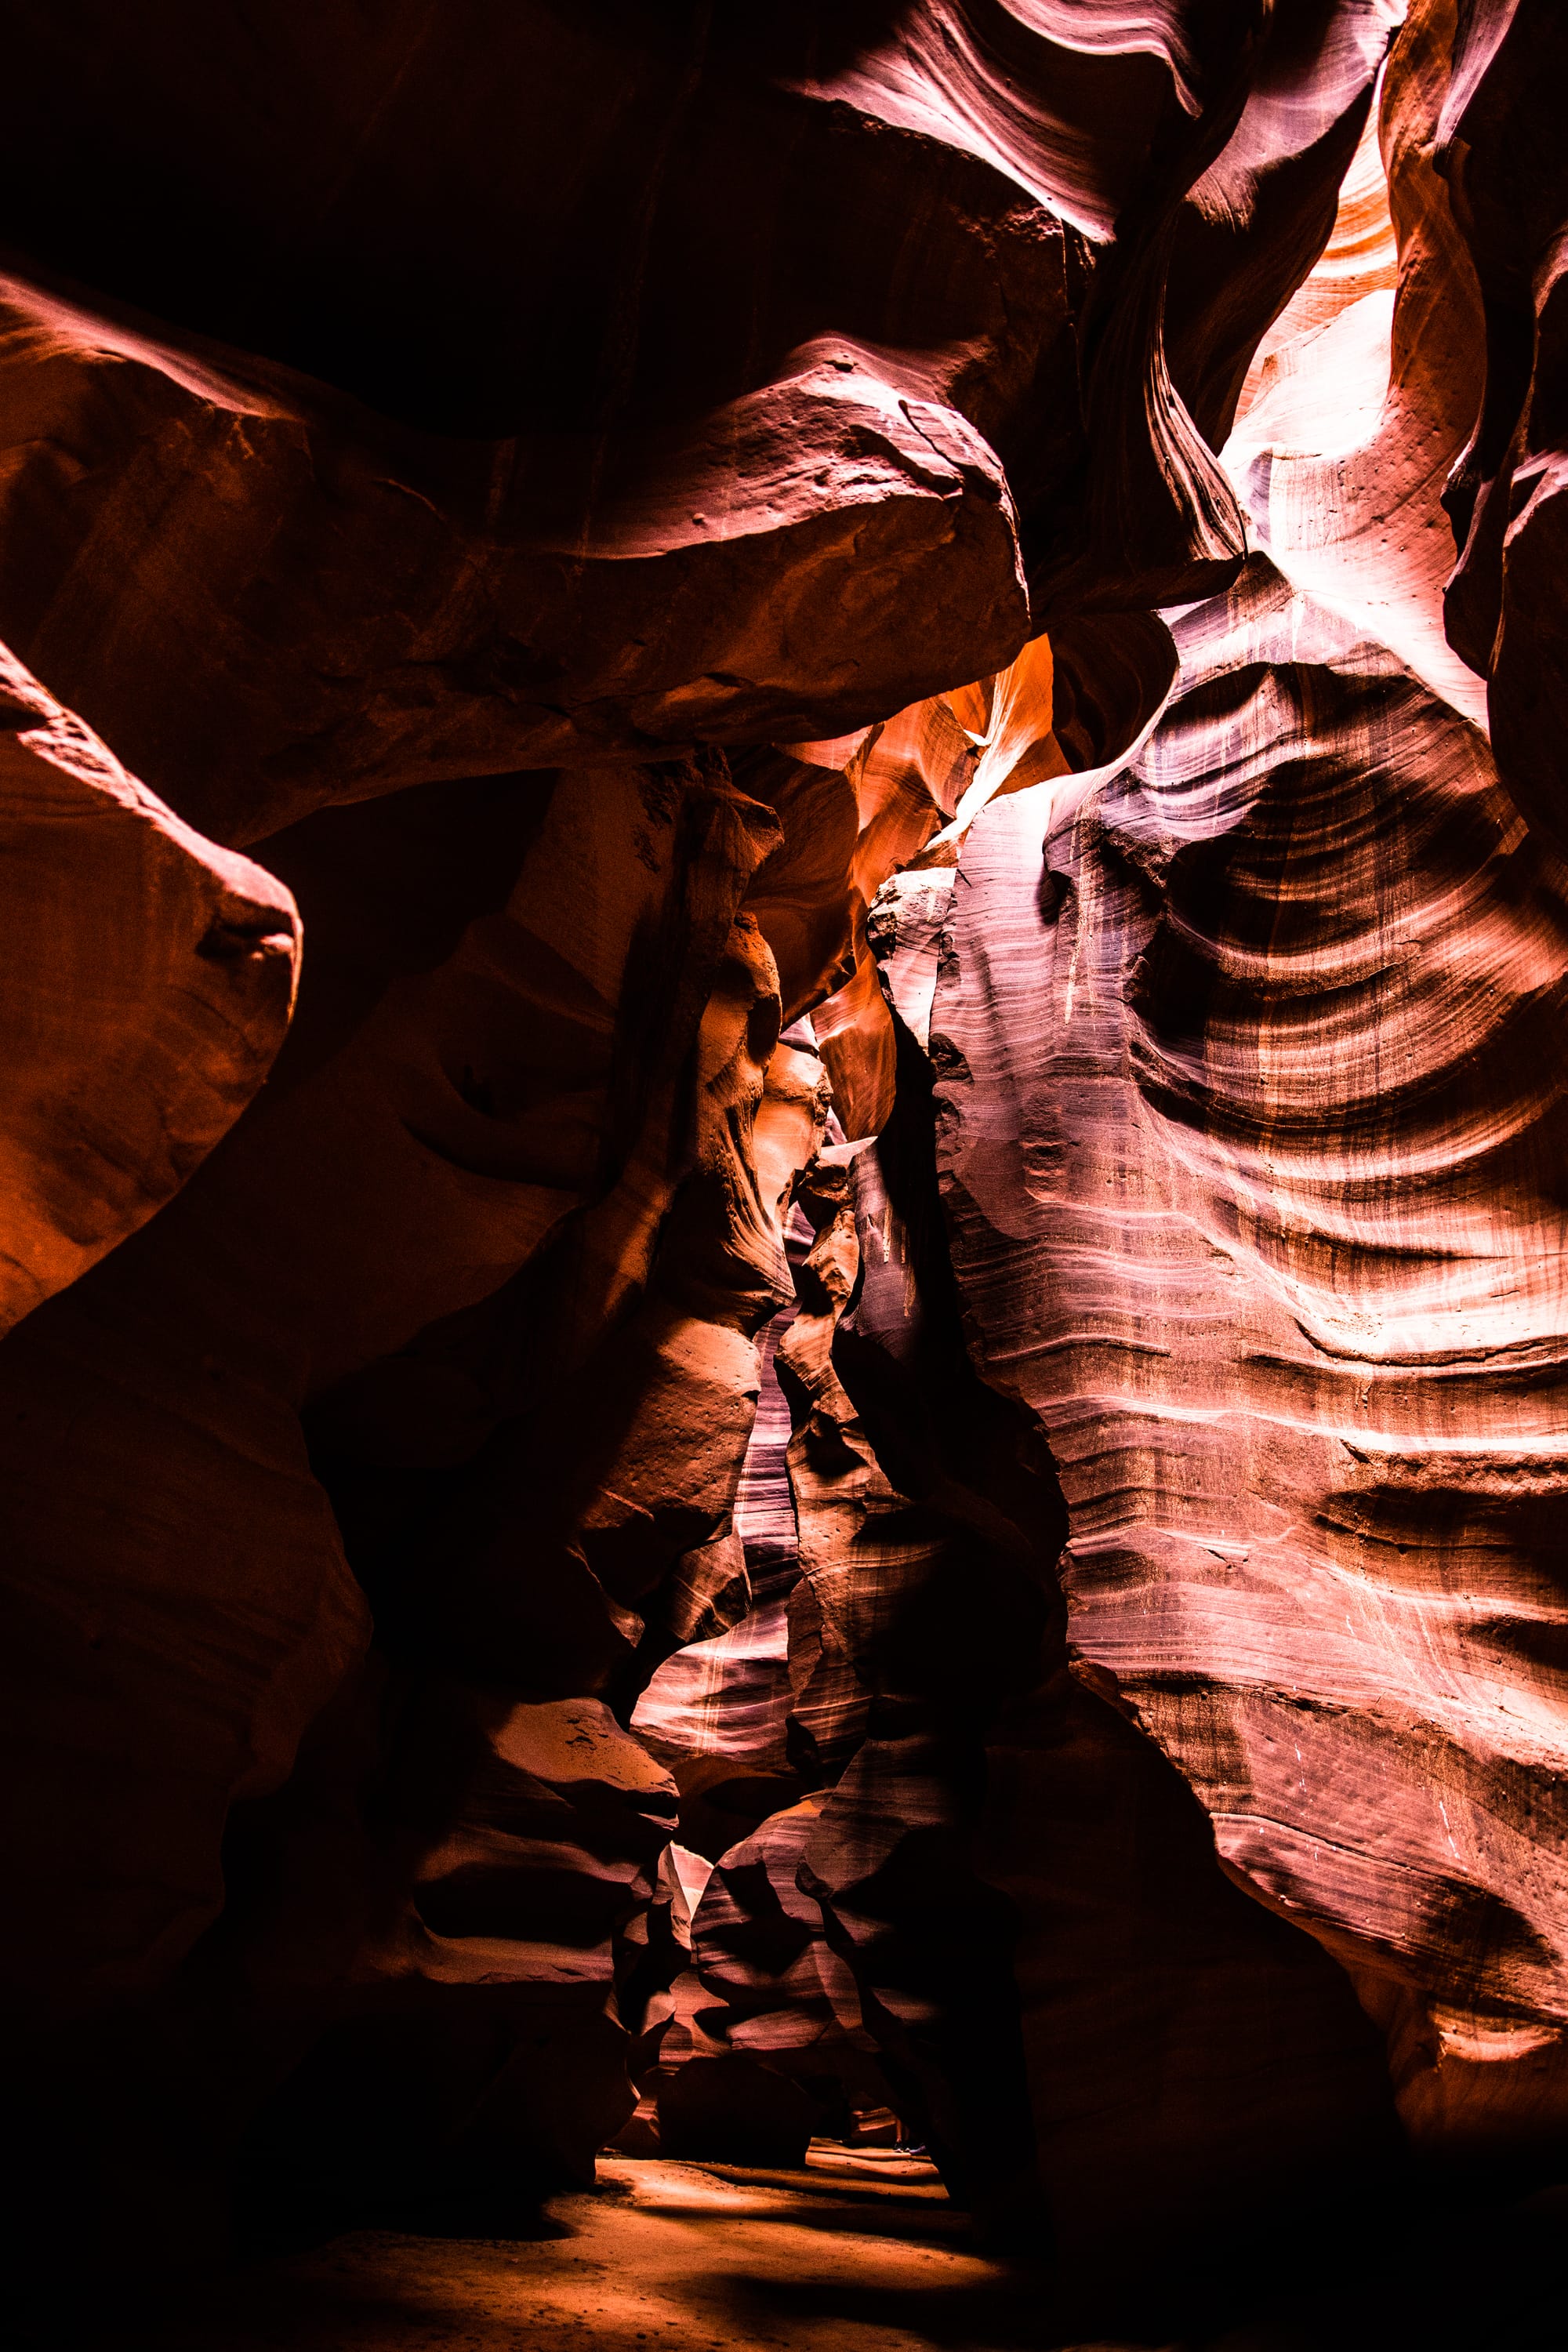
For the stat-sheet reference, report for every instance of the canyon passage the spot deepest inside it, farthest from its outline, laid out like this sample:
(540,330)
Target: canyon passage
(784,1383)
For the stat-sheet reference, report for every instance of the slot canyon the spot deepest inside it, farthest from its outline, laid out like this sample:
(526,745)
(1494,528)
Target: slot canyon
(786,1364)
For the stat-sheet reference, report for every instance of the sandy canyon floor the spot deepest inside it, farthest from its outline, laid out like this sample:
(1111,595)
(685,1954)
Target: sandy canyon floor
(672,2257)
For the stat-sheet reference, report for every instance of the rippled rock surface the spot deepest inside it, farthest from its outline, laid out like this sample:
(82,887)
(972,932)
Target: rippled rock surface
(1251,1119)
(799,1375)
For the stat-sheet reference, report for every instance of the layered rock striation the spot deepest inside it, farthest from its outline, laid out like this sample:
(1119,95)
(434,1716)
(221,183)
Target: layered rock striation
(847,1419)
(1250,1119)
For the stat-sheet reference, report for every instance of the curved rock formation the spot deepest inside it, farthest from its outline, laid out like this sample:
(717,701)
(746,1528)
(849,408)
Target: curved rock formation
(575,1092)
(766,2046)
(870,1420)
(1497,151)
(148,979)
(373,568)
(1250,1113)
(1358,408)
(353,605)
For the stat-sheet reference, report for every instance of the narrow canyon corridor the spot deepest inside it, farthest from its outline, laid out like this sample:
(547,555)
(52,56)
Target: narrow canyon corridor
(783,1175)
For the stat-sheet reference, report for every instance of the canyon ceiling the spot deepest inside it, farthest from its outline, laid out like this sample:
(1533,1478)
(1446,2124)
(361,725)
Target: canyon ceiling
(786,1131)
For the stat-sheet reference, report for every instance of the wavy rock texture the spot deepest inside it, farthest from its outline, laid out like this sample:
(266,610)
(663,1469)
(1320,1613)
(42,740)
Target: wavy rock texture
(1365,390)
(616,1485)
(149,977)
(355,605)
(575,1091)
(1250,1117)
(1180,2048)
(765,2046)
(1497,151)
(738,476)
(917,781)
(843,1956)
(476,2048)
(752,2037)
(906,962)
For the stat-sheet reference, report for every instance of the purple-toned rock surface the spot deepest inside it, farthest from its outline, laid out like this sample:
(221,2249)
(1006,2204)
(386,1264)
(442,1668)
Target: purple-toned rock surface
(800,1376)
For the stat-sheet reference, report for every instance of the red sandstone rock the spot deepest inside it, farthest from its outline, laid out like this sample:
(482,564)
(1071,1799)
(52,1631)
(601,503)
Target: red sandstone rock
(148,981)
(592,1064)
(1496,148)
(918,781)
(1249,1095)
(765,2041)
(561,394)
(1364,389)
(475,2043)
(472,451)
(353,605)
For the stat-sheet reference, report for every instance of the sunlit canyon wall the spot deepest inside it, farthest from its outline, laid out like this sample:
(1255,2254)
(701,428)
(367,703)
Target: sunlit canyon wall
(786,942)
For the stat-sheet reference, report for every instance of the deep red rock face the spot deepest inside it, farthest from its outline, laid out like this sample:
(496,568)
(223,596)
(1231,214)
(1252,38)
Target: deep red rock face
(480,443)
(355,605)
(847,1418)
(149,979)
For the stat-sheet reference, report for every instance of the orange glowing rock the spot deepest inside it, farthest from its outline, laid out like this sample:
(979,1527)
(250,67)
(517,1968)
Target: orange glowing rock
(148,981)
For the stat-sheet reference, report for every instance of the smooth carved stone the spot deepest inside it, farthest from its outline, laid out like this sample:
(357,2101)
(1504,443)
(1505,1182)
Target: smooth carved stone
(716,1711)
(506,1240)
(1227,219)
(1071,700)
(515,1837)
(628,1470)
(842,1498)
(546,1822)
(869,1573)
(353,605)
(1497,147)
(557,217)
(432,237)
(624,1459)
(530,408)
(480,2051)
(148,977)
(764,1502)
(918,782)
(1184,2051)
(1363,391)
(803,893)
(184,1606)
(1251,1112)
(1257,222)
(726,1698)
(754,2040)
(905,928)
(926,1535)
(1105,124)
(541,1065)
(440,441)
(769,1989)
(1150,2043)
(652,1985)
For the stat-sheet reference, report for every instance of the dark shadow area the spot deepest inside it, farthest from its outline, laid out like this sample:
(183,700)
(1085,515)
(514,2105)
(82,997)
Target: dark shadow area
(1480,2268)
(720,2257)
(1003,2316)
